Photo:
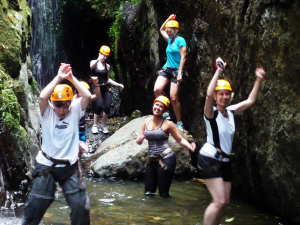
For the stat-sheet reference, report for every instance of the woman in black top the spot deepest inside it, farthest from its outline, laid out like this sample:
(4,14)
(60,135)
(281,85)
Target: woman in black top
(101,70)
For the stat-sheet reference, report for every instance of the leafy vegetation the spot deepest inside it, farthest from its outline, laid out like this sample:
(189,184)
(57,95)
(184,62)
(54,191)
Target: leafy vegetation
(9,107)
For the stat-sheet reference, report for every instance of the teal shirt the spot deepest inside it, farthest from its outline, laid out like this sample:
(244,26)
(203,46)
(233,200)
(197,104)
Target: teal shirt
(173,52)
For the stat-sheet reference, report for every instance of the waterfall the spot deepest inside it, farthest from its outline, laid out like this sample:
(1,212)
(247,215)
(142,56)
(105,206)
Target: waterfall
(46,31)
(2,189)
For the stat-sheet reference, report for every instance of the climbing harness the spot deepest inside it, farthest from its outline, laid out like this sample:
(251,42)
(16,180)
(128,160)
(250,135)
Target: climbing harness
(172,70)
(56,162)
(159,157)
(220,155)
(105,84)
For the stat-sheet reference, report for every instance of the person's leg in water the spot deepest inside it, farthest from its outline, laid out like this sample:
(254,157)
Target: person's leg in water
(151,178)
(40,197)
(220,192)
(164,177)
(78,201)
(76,197)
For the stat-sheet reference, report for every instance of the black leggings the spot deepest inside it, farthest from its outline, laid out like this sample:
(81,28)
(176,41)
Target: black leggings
(104,100)
(156,176)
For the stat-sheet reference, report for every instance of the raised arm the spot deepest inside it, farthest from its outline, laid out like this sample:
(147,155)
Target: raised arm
(85,94)
(180,140)
(242,106)
(64,71)
(210,101)
(140,139)
(93,63)
(97,89)
(162,29)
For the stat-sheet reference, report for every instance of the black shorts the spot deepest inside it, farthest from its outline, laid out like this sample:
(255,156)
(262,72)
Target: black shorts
(169,76)
(212,168)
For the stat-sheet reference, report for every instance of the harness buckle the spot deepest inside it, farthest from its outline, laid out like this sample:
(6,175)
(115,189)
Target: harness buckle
(164,166)
(217,155)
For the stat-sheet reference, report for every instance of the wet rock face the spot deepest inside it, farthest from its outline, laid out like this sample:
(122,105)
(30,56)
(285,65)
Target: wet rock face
(19,123)
(138,55)
(246,34)
(15,35)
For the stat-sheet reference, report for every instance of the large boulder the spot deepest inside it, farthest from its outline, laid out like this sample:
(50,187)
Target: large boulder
(120,156)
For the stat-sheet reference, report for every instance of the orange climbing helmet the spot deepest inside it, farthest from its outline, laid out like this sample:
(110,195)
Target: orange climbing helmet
(85,84)
(62,92)
(105,50)
(164,100)
(172,23)
(223,85)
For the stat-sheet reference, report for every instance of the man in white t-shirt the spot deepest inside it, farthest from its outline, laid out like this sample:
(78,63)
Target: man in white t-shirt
(58,159)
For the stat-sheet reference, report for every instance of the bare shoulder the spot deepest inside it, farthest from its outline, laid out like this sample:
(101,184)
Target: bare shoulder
(147,120)
(168,125)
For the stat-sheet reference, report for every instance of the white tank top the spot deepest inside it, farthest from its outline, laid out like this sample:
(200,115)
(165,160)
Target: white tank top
(220,132)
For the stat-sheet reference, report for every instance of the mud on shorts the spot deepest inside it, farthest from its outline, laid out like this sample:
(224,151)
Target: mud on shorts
(212,168)
(168,74)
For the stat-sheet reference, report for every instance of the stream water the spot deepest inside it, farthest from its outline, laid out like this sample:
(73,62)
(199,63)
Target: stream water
(117,201)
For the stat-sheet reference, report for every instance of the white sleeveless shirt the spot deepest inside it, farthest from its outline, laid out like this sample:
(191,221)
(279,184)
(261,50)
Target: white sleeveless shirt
(220,132)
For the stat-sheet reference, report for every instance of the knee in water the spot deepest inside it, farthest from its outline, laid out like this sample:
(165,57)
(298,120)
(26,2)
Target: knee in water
(165,195)
(149,193)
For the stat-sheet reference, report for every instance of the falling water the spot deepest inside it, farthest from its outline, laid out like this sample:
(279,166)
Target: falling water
(1,180)
(2,189)
(44,47)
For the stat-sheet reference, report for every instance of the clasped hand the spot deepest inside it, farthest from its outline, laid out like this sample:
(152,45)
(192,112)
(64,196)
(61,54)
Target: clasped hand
(65,71)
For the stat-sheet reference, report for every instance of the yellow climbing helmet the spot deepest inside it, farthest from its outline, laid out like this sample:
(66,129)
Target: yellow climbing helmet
(164,100)
(105,50)
(62,92)
(172,23)
(223,85)
(86,85)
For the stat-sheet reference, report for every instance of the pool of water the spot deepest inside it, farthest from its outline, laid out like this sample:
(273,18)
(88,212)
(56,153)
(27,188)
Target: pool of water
(116,201)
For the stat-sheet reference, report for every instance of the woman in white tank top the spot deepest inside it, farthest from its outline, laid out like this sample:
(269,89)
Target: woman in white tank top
(213,161)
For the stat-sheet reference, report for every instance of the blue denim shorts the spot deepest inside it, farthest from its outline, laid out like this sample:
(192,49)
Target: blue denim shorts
(169,76)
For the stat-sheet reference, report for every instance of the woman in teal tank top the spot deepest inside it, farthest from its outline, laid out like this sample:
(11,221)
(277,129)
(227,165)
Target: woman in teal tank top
(172,72)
